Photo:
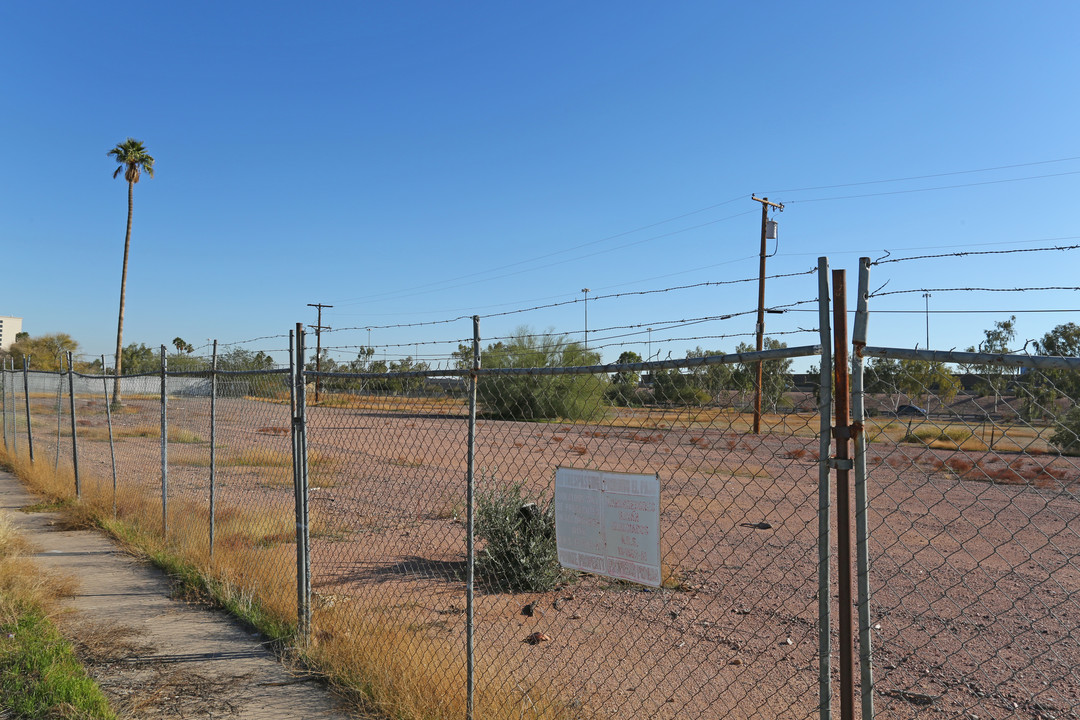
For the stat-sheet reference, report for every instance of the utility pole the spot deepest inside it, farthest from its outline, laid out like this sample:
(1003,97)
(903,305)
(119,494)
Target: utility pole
(765,205)
(926,297)
(318,347)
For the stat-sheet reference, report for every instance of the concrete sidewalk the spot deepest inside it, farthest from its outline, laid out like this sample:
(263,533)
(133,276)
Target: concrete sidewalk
(157,657)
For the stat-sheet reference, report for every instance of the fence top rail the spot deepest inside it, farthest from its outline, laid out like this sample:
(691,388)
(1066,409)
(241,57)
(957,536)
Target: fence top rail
(171,373)
(683,363)
(1039,362)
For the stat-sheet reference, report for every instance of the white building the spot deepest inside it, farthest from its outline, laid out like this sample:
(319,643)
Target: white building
(9,328)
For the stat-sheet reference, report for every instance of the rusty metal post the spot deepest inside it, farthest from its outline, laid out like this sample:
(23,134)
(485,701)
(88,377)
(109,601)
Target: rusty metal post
(843,464)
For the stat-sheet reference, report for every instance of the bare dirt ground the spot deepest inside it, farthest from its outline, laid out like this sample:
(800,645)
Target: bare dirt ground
(974,572)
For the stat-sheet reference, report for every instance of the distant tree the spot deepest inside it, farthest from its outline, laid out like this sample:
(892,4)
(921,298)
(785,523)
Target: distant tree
(263,385)
(623,389)
(1062,341)
(916,378)
(537,397)
(627,377)
(775,374)
(882,376)
(133,161)
(139,359)
(678,388)
(21,336)
(182,346)
(45,352)
(994,379)
(713,379)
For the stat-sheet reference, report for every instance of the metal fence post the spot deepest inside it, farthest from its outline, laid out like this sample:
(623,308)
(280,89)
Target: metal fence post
(824,496)
(164,446)
(303,563)
(14,412)
(112,445)
(26,398)
(470,500)
(60,406)
(213,443)
(74,433)
(3,399)
(862,535)
(843,464)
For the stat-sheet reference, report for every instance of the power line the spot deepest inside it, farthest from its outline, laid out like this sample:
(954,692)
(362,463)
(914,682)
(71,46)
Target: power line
(610,296)
(931,189)
(441,285)
(926,177)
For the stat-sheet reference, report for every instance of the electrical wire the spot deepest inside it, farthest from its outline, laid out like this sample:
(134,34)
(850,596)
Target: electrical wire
(924,177)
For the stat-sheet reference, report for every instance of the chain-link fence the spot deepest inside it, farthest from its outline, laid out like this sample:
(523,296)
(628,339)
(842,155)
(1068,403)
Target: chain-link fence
(730,630)
(405,523)
(971,605)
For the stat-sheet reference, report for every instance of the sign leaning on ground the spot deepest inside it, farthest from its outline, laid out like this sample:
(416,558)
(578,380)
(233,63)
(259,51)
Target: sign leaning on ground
(609,524)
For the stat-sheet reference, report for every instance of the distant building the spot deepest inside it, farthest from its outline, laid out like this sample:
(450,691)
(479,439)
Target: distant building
(9,328)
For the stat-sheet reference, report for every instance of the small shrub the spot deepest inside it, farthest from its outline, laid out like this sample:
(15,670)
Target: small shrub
(519,553)
(1066,436)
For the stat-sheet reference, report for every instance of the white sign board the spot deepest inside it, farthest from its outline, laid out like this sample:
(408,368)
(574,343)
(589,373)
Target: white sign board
(609,524)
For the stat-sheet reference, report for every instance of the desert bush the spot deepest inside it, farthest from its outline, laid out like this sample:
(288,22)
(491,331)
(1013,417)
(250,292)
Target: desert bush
(622,395)
(519,553)
(538,397)
(674,387)
(1066,435)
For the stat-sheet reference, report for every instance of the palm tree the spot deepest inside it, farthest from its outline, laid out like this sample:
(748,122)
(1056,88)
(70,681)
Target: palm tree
(133,159)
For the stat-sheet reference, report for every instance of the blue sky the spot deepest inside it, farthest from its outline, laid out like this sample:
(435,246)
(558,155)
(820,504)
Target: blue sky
(420,161)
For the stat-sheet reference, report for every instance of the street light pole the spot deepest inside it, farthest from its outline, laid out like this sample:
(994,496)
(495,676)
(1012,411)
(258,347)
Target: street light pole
(926,296)
(765,205)
(586,291)
(650,345)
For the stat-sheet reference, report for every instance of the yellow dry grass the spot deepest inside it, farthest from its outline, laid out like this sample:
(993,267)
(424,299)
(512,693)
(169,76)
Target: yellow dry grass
(973,437)
(383,658)
(22,583)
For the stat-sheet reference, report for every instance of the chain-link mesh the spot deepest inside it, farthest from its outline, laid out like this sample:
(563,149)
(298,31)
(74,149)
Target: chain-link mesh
(254,512)
(973,538)
(731,632)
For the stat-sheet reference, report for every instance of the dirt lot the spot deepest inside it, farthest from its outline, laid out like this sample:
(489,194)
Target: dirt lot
(974,573)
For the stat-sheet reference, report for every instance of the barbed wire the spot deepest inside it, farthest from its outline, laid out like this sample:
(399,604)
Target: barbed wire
(575,301)
(878,293)
(799,331)
(962,312)
(245,342)
(884,259)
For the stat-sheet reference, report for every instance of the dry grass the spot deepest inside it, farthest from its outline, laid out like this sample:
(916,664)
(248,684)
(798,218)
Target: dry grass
(23,584)
(401,669)
(439,406)
(384,658)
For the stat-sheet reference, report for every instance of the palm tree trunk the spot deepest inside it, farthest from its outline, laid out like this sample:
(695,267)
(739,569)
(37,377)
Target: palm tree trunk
(116,398)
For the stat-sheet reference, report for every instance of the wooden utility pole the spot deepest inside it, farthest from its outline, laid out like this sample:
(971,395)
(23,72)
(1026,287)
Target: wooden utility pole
(318,347)
(765,205)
